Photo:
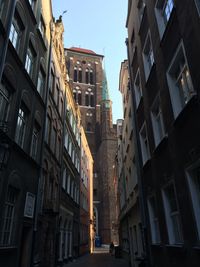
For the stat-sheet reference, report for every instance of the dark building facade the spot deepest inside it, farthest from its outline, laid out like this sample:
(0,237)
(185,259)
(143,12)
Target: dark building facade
(24,53)
(163,52)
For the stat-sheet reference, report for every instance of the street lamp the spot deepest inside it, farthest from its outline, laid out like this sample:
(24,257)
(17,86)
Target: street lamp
(4,155)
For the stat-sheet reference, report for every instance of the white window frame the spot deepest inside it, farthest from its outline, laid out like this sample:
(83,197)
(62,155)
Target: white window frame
(15,34)
(8,219)
(5,100)
(41,83)
(154,223)
(34,143)
(21,126)
(172,218)
(144,143)
(141,6)
(157,121)
(195,194)
(148,55)
(29,63)
(138,88)
(162,18)
(197,2)
(179,96)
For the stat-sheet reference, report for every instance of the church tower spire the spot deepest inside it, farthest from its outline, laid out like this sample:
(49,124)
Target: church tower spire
(106,107)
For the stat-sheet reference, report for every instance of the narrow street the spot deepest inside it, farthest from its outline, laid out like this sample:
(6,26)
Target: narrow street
(100,258)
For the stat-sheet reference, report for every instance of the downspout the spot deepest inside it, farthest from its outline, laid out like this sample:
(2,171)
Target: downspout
(138,156)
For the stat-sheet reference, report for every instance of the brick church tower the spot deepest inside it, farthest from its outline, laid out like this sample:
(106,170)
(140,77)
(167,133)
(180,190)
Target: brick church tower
(89,85)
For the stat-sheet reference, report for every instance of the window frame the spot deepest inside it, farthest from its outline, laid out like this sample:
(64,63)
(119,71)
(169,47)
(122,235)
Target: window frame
(21,126)
(148,55)
(194,194)
(158,130)
(160,14)
(176,95)
(9,213)
(144,143)
(138,88)
(153,219)
(172,217)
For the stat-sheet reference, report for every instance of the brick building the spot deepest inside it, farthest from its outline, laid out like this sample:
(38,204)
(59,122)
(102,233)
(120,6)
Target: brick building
(86,78)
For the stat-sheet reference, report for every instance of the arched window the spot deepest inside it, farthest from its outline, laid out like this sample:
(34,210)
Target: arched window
(79,98)
(91,100)
(75,74)
(91,77)
(80,75)
(86,99)
(87,76)
(89,126)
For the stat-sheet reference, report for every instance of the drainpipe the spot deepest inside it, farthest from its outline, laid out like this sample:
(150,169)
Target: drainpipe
(139,166)
(5,47)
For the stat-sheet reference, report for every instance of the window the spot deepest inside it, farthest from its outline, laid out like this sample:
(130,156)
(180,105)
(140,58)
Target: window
(77,96)
(5,100)
(141,7)
(15,33)
(29,64)
(138,88)
(32,3)
(154,224)
(2,4)
(157,121)
(41,83)
(193,176)
(42,27)
(148,57)
(163,10)
(179,81)
(80,75)
(35,139)
(21,126)
(75,74)
(144,144)
(91,77)
(172,215)
(86,99)
(89,98)
(87,76)
(9,215)
(197,4)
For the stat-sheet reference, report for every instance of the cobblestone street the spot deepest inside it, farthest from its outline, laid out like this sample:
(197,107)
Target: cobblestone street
(101,258)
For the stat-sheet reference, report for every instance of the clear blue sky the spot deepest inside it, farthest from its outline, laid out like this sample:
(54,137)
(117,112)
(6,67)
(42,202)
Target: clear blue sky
(98,26)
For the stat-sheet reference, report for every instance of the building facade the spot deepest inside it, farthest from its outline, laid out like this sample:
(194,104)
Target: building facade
(163,47)
(129,216)
(86,197)
(24,49)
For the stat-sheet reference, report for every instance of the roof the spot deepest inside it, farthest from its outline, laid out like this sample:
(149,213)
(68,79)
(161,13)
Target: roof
(82,50)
